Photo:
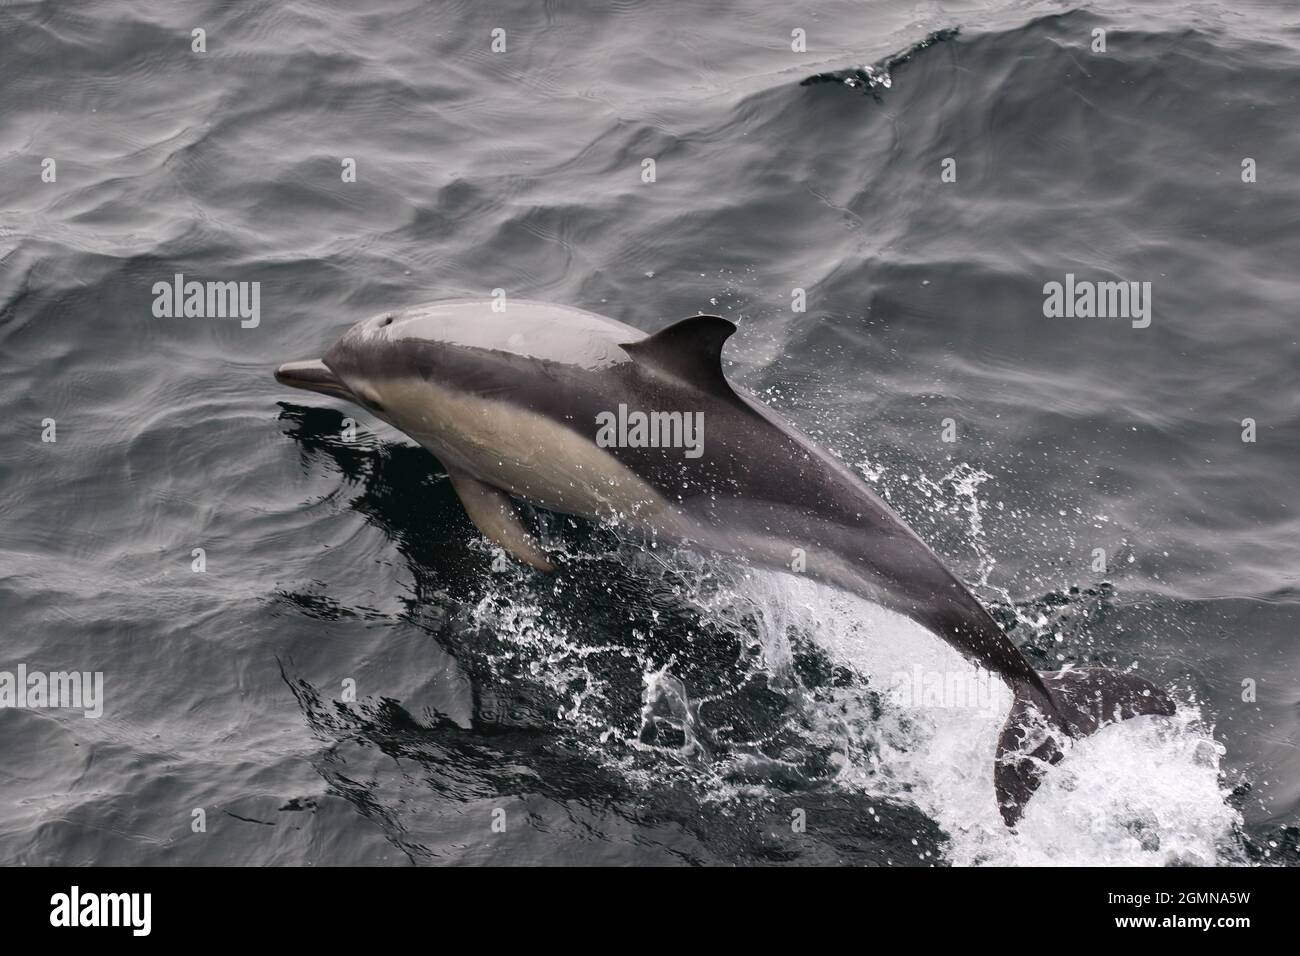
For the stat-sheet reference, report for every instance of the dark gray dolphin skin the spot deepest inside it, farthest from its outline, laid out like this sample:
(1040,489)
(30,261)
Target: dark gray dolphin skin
(513,403)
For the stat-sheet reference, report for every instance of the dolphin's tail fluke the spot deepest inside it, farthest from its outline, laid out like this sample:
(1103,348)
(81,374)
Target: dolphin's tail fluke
(1080,702)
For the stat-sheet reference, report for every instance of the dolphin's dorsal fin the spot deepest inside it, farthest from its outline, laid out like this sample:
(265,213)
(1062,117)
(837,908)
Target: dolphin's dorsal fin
(689,349)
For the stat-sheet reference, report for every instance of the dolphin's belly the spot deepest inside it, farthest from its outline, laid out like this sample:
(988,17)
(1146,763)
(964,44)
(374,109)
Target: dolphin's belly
(528,455)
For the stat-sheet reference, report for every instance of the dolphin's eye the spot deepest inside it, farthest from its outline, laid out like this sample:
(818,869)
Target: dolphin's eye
(386,320)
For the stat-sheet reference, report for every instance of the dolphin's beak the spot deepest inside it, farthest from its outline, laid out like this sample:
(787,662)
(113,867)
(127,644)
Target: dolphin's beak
(315,376)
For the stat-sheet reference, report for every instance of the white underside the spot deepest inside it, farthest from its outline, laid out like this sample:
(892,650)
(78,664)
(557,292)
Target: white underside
(527,455)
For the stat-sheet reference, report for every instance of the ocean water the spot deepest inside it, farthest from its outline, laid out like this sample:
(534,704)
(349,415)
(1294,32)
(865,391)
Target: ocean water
(357,677)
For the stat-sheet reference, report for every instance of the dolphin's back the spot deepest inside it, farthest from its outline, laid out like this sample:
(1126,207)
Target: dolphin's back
(538,330)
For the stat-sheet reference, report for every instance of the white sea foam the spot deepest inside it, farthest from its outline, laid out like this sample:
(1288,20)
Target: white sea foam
(1142,792)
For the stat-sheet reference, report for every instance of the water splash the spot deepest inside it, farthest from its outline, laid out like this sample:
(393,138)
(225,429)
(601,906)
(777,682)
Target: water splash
(880,75)
(1144,792)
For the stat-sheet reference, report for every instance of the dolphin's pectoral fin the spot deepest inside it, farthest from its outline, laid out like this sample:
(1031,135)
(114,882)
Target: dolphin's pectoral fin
(690,349)
(494,514)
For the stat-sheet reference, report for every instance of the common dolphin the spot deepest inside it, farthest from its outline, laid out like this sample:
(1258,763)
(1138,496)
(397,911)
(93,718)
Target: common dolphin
(580,414)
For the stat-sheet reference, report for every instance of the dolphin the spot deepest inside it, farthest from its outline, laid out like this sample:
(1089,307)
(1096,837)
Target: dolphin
(584,415)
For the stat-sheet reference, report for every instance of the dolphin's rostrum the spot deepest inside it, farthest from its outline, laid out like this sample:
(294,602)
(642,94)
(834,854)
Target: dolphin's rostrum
(509,403)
